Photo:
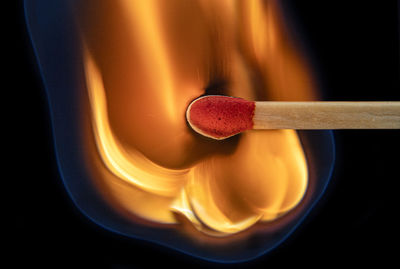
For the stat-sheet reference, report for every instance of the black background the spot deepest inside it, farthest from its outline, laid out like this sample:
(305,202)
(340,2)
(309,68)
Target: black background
(355,47)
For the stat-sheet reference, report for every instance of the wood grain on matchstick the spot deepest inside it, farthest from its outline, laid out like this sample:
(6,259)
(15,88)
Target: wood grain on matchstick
(327,115)
(220,117)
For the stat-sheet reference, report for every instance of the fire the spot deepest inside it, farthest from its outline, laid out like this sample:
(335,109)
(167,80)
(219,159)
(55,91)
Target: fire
(145,61)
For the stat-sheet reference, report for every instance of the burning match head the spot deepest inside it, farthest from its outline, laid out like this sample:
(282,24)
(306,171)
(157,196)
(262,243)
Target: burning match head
(220,117)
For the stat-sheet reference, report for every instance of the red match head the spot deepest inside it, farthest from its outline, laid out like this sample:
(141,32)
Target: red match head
(220,117)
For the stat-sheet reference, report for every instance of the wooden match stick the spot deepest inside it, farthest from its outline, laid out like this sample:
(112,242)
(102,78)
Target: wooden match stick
(220,117)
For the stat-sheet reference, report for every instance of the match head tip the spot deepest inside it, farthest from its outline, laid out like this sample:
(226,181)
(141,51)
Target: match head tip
(220,117)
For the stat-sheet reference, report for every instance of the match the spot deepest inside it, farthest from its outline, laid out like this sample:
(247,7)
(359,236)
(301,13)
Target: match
(220,117)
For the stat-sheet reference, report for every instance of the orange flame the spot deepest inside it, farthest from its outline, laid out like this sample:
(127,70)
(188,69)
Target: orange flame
(145,61)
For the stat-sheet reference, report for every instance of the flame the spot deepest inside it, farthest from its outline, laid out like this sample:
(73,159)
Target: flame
(144,62)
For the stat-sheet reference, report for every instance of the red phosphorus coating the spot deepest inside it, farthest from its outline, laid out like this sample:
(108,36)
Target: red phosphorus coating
(222,116)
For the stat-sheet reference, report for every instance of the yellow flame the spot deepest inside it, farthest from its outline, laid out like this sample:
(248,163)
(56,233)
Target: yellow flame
(144,62)
(146,14)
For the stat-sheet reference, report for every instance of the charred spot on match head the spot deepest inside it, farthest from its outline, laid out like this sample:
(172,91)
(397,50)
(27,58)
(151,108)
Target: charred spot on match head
(221,116)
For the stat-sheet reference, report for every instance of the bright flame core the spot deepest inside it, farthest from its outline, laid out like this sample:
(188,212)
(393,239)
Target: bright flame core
(145,61)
